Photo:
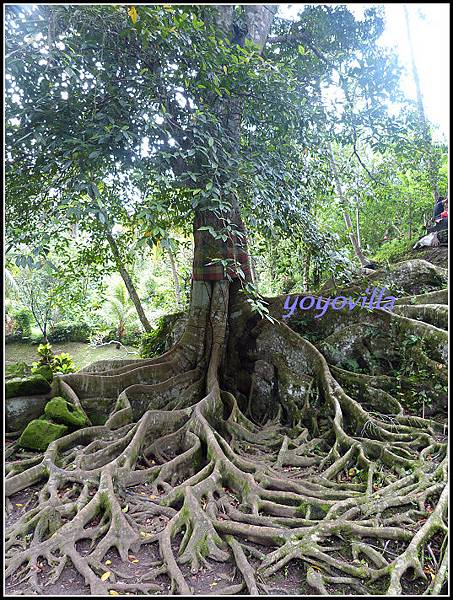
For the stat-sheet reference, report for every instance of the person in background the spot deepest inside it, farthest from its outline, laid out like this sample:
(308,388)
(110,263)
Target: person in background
(444,214)
(438,208)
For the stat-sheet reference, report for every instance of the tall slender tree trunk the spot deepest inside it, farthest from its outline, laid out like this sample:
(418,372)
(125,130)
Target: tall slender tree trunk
(175,278)
(128,283)
(421,112)
(347,217)
(410,218)
(306,274)
(357,222)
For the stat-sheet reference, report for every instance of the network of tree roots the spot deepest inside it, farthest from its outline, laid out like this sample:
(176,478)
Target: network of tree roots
(250,445)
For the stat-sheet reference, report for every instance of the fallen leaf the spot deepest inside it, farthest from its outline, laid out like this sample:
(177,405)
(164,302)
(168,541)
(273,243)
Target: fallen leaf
(145,534)
(19,504)
(132,11)
(105,576)
(113,593)
(108,562)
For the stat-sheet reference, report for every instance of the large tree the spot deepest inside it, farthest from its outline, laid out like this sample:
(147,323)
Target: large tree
(245,429)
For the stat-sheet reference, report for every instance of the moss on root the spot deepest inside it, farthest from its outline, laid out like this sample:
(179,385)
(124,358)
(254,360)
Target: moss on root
(336,475)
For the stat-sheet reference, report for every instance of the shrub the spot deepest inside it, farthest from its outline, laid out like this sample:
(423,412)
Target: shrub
(23,320)
(63,363)
(14,338)
(46,355)
(44,370)
(70,332)
(392,249)
(133,338)
(153,342)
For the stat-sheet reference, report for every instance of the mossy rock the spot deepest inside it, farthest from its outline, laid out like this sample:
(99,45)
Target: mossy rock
(45,371)
(26,386)
(62,411)
(39,434)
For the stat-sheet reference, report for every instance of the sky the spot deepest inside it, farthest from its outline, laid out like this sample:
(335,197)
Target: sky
(430,32)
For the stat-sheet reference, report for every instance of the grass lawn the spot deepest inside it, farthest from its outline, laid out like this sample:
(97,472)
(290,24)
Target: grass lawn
(83,354)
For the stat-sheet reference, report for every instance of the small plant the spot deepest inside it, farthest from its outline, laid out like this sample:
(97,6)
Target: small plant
(46,354)
(63,363)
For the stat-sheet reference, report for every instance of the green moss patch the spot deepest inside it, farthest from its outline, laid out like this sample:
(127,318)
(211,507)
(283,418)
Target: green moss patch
(26,386)
(155,342)
(39,434)
(60,410)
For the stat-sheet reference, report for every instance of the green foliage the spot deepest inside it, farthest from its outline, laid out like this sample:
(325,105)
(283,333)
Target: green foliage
(26,386)
(19,369)
(392,249)
(61,411)
(23,319)
(123,136)
(155,342)
(119,309)
(44,370)
(46,354)
(40,433)
(66,331)
(63,363)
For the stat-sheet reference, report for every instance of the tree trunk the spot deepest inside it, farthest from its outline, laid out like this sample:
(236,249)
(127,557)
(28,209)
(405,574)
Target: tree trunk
(357,222)
(128,282)
(245,433)
(306,275)
(347,218)
(409,233)
(421,112)
(175,279)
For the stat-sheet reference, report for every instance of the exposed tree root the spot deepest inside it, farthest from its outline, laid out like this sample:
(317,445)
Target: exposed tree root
(334,474)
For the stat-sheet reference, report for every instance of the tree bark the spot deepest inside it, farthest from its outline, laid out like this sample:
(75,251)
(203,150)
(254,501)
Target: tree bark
(128,282)
(357,222)
(234,251)
(175,278)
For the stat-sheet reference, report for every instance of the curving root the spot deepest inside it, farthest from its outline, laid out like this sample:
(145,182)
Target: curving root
(356,493)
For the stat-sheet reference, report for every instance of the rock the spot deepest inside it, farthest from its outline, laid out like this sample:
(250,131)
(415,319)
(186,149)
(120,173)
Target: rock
(62,411)
(19,411)
(26,386)
(39,434)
